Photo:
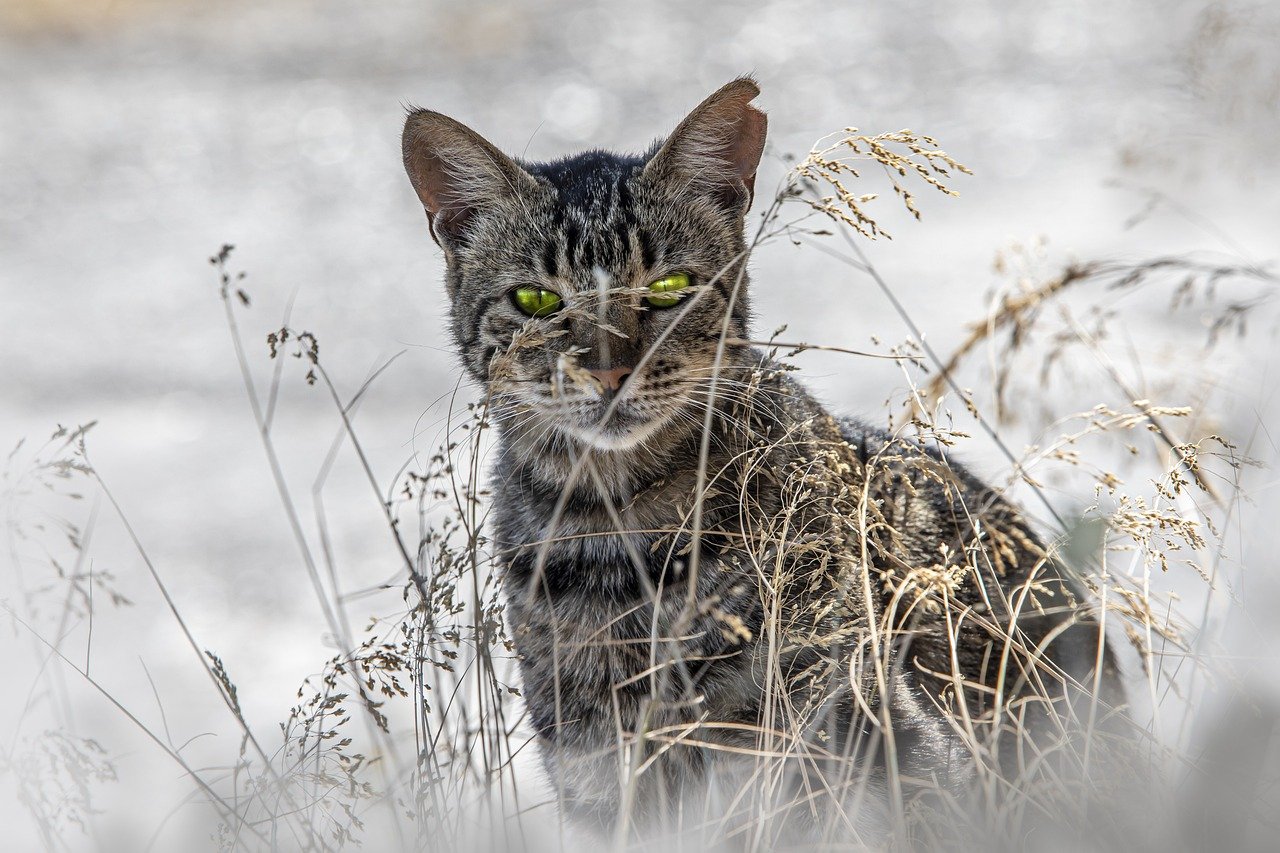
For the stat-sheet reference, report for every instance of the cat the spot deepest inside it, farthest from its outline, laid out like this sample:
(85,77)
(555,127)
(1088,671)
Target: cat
(707,574)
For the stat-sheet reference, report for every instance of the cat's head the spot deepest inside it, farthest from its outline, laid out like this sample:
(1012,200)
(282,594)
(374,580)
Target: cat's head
(589,294)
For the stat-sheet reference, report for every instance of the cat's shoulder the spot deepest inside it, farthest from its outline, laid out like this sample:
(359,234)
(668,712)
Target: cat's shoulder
(878,446)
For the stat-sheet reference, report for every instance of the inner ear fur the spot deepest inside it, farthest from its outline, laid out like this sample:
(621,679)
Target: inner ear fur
(716,149)
(456,171)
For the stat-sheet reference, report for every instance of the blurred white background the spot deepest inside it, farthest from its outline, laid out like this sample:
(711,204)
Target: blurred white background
(137,136)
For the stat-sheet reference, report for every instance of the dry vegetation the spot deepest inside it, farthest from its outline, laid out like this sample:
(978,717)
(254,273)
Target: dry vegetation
(413,733)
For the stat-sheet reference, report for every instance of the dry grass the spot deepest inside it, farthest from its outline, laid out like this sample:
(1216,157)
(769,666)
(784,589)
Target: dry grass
(413,732)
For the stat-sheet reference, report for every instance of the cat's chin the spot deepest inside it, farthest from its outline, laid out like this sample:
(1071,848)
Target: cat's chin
(618,436)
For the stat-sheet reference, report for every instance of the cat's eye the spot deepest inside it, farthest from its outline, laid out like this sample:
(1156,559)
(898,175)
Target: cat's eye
(535,301)
(665,292)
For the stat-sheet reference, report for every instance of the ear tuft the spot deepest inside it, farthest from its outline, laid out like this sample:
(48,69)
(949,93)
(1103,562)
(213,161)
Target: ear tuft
(455,171)
(716,149)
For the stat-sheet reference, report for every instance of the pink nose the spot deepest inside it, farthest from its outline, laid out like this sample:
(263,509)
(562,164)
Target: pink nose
(613,378)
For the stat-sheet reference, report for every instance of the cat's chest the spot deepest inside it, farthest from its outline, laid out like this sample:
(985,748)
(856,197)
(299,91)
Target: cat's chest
(591,557)
(605,628)
(618,544)
(607,581)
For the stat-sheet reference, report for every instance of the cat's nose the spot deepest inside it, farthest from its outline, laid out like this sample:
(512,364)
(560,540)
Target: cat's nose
(612,378)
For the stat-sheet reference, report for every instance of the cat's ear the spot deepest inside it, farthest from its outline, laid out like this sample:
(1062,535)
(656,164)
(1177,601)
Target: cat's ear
(456,172)
(717,148)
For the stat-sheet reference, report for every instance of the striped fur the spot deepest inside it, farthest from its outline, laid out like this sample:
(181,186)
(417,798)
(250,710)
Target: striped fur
(671,629)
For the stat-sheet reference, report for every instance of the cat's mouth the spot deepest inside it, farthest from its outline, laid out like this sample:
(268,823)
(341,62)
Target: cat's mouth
(610,425)
(602,421)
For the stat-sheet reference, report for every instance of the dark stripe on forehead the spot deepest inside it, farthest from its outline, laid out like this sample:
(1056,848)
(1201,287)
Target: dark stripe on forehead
(648,256)
(622,239)
(587,257)
(550,252)
(571,241)
(592,188)
(625,205)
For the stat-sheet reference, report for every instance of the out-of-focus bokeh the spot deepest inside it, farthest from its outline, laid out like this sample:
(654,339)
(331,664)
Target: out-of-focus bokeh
(137,136)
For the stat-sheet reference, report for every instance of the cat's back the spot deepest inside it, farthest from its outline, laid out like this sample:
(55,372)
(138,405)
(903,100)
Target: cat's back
(967,580)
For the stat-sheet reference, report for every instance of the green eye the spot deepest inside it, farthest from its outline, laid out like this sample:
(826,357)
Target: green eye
(535,301)
(664,292)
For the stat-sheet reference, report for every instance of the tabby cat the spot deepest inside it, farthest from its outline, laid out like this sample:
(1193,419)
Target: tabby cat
(724,597)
